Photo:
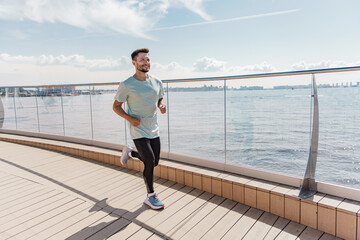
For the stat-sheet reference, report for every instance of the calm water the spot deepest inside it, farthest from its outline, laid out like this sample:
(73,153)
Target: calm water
(266,129)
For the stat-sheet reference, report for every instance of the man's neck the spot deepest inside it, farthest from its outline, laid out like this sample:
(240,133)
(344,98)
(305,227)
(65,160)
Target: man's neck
(141,76)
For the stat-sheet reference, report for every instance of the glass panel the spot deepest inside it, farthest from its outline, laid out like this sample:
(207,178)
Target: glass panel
(339,128)
(197,120)
(7,110)
(108,127)
(26,111)
(50,111)
(268,123)
(77,118)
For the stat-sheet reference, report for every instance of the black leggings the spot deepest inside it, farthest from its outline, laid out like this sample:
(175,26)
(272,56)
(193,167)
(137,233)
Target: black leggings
(148,151)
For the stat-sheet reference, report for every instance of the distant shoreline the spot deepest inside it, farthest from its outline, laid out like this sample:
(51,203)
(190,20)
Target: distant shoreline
(56,91)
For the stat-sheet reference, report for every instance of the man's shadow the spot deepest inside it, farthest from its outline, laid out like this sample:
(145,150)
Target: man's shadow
(108,228)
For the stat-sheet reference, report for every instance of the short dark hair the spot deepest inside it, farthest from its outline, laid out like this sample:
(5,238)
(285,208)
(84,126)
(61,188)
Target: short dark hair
(137,51)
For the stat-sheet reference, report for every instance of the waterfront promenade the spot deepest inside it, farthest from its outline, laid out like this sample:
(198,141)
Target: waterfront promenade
(50,195)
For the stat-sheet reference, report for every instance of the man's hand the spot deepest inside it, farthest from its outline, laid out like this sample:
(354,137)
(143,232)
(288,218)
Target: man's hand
(135,121)
(162,108)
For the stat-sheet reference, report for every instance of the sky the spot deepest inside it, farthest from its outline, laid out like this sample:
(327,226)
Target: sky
(90,41)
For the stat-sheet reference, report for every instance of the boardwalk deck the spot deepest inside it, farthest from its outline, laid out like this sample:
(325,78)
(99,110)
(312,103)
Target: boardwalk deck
(50,195)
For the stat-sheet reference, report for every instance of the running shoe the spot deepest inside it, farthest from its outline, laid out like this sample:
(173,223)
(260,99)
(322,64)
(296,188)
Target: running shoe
(154,202)
(125,154)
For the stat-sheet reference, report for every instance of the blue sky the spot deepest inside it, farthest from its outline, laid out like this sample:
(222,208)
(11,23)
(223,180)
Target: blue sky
(77,41)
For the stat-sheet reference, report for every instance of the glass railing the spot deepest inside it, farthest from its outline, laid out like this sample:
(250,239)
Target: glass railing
(260,121)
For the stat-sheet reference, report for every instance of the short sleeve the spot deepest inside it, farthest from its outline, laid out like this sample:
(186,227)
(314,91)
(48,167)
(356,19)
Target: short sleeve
(122,93)
(161,92)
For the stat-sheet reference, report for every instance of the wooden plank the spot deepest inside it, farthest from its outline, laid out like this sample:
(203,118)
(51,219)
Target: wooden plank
(13,188)
(291,231)
(33,211)
(276,229)
(211,219)
(93,177)
(310,234)
(23,202)
(156,237)
(241,227)
(93,228)
(27,211)
(195,217)
(261,227)
(67,171)
(220,229)
(327,236)
(57,223)
(177,219)
(110,229)
(4,177)
(99,184)
(126,232)
(28,189)
(118,187)
(142,234)
(43,221)
(77,223)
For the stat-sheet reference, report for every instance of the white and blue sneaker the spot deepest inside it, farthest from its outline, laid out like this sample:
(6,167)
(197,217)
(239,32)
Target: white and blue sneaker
(126,154)
(153,201)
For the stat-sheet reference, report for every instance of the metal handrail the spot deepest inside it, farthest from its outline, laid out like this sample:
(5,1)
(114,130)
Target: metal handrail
(234,77)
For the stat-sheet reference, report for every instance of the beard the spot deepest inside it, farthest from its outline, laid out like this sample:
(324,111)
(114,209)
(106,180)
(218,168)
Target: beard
(144,69)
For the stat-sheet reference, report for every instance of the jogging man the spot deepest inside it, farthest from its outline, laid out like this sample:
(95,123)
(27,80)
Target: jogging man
(143,94)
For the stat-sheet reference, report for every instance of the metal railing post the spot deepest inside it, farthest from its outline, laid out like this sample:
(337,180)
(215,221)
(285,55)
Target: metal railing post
(125,123)
(62,110)
(16,127)
(309,187)
(91,115)
(225,121)
(168,114)
(37,111)
(2,113)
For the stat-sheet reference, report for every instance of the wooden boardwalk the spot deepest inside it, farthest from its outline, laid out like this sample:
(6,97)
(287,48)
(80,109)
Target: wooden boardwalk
(49,195)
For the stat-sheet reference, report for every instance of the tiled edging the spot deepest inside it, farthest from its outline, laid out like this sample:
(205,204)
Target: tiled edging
(330,214)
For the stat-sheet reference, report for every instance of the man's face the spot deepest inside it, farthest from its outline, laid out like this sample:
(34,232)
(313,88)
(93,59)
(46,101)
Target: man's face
(142,62)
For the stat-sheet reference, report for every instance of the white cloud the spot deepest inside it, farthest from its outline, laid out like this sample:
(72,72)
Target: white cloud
(319,65)
(262,67)
(106,64)
(197,7)
(173,66)
(131,17)
(206,64)
(17,59)
(79,61)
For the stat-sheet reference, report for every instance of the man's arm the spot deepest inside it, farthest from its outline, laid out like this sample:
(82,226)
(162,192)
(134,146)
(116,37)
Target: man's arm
(117,107)
(161,106)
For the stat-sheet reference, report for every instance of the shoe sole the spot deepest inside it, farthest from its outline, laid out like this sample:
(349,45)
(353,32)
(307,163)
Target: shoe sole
(154,207)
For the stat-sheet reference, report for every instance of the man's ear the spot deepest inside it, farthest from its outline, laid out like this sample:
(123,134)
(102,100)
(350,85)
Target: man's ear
(133,62)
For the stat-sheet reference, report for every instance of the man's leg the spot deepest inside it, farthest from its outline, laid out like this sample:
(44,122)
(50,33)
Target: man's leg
(148,151)
(155,146)
(146,155)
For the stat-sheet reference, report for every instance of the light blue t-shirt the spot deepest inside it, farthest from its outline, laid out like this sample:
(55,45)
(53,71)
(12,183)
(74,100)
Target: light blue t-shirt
(142,98)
